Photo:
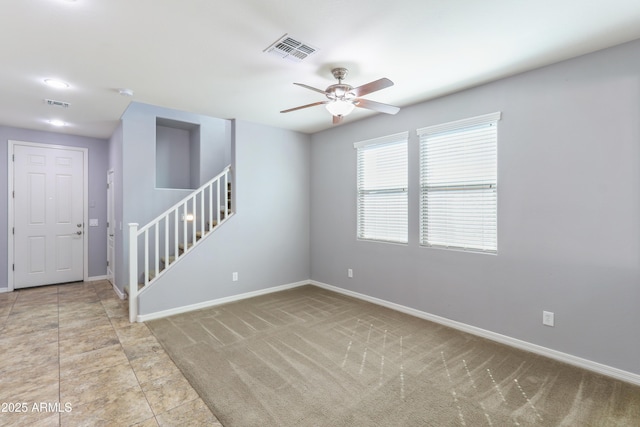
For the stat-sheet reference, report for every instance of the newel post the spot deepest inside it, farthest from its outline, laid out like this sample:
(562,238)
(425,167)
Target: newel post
(133,272)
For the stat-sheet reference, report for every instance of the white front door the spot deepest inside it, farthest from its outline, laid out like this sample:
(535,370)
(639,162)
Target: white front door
(110,229)
(48,215)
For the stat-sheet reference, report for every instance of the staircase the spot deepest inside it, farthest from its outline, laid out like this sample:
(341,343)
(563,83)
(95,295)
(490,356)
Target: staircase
(166,240)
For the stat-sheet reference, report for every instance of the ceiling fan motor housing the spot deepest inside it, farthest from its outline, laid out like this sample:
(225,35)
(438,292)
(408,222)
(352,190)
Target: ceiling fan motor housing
(340,91)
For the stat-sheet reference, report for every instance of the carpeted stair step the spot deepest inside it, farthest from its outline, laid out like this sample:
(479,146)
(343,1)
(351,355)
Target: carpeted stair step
(210,227)
(152,274)
(181,246)
(171,259)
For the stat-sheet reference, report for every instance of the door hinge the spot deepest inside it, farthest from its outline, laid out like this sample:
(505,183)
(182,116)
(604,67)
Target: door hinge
(13,230)
(13,267)
(13,157)
(107,263)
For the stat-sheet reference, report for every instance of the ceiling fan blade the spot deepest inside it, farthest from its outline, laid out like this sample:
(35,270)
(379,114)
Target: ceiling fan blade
(372,86)
(311,88)
(376,106)
(337,119)
(304,106)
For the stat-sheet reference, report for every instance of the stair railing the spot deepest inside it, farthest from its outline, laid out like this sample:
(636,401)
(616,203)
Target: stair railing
(201,211)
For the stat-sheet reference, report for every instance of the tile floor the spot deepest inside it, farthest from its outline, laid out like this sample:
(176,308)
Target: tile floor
(70,357)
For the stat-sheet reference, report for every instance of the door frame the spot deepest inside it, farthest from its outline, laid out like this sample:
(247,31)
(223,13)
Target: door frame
(111,215)
(11,207)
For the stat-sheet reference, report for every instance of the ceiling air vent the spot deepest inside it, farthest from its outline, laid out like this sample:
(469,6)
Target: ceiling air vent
(55,103)
(290,48)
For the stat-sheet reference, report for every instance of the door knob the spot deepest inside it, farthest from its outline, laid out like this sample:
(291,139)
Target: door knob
(78,232)
(79,225)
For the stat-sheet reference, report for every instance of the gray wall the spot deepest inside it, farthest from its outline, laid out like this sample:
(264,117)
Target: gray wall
(97,203)
(568,212)
(115,164)
(266,241)
(173,158)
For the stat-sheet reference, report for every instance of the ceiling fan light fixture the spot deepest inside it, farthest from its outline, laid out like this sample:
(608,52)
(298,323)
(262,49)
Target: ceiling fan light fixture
(340,107)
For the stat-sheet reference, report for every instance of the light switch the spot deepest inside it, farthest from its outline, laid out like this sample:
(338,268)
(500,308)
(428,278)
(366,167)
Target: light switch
(93,222)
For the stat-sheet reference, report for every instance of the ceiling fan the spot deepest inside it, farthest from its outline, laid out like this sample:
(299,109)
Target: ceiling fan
(343,98)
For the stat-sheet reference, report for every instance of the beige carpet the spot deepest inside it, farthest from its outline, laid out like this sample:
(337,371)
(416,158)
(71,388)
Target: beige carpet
(311,357)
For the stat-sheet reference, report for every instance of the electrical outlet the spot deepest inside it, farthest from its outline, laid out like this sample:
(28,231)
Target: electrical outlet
(350,273)
(234,276)
(547,318)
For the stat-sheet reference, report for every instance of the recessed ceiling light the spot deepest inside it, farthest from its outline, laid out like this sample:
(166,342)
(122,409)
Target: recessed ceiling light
(57,123)
(58,84)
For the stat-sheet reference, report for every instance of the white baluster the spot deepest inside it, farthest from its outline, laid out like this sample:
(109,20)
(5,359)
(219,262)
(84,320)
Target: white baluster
(193,225)
(211,205)
(176,233)
(218,200)
(226,194)
(156,250)
(145,269)
(166,241)
(133,272)
(202,212)
(185,234)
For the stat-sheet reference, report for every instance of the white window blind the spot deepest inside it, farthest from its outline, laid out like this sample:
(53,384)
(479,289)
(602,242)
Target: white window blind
(382,188)
(459,184)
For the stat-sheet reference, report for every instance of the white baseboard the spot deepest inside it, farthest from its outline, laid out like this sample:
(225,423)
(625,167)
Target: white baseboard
(3,290)
(118,292)
(219,301)
(503,339)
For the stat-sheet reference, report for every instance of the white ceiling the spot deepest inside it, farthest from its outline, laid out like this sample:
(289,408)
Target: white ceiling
(206,56)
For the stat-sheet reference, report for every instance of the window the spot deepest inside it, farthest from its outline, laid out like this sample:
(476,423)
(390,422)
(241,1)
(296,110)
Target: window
(382,188)
(459,184)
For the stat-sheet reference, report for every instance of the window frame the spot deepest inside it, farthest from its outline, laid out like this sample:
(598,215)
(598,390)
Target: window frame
(459,237)
(372,235)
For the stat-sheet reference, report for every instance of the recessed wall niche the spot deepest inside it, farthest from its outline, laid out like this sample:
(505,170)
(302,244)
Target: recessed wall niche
(177,154)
